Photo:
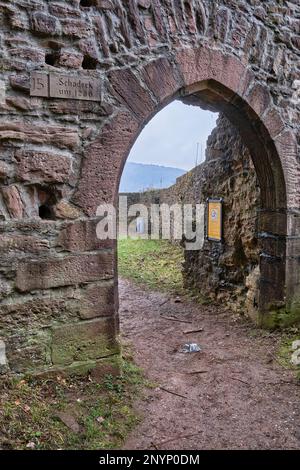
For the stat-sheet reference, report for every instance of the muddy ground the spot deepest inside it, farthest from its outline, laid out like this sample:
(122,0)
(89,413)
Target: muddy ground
(233,394)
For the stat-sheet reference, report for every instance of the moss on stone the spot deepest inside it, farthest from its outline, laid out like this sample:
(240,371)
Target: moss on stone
(280,318)
(83,341)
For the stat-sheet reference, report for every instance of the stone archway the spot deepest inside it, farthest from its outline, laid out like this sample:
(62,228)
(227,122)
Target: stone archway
(62,158)
(220,82)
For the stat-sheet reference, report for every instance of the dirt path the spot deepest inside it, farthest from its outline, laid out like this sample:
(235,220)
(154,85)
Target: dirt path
(244,400)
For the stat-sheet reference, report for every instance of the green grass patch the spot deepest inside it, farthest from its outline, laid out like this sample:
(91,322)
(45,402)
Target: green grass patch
(155,263)
(102,410)
(285,350)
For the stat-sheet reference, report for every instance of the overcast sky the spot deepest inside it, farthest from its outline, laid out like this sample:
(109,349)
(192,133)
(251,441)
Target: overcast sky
(170,138)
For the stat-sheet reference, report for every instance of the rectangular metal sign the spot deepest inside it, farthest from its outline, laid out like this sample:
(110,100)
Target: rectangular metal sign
(214,220)
(65,86)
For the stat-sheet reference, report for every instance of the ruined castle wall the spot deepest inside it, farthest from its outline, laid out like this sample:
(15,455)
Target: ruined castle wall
(228,270)
(61,158)
(222,270)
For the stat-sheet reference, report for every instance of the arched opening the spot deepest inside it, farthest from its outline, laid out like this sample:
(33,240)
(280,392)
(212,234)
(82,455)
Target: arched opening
(162,177)
(220,82)
(213,96)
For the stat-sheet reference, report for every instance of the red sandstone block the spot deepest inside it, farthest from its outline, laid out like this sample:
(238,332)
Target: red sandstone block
(201,64)
(44,24)
(226,69)
(286,145)
(70,59)
(42,166)
(20,82)
(19,102)
(247,82)
(162,78)
(102,169)
(98,301)
(65,210)
(259,99)
(194,64)
(79,107)
(22,243)
(32,54)
(144,3)
(75,28)
(66,271)
(272,222)
(130,92)
(38,312)
(13,202)
(82,236)
(89,48)
(83,341)
(62,11)
(105,4)
(273,122)
(61,137)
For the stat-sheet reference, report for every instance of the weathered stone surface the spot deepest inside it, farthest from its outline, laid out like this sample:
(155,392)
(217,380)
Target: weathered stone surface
(70,59)
(80,107)
(129,91)
(62,11)
(202,63)
(44,24)
(273,122)
(37,313)
(99,301)
(162,78)
(259,99)
(89,48)
(28,359)
(23,243)
(5,289)
(48,167)
(82,236)
(104,4)
(286,144)
(93,339)
(29,54)
(28,352)
(13,201)
(61,137)
(20,103)
(71,270)
(64,210)
(75,28)
(20,82)
(144,3)
(105,163)
(238,57)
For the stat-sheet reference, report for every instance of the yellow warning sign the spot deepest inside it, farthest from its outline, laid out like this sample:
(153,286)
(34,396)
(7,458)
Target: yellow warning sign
(214,222)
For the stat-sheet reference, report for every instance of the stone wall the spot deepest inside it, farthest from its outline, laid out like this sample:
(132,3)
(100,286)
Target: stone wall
(61,158)
(229,270)
(224,270)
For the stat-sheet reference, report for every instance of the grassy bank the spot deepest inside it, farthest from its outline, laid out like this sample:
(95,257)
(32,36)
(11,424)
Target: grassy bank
(69,413)
(155,263)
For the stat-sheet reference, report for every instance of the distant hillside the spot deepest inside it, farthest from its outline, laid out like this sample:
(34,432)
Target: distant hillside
(138,177)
